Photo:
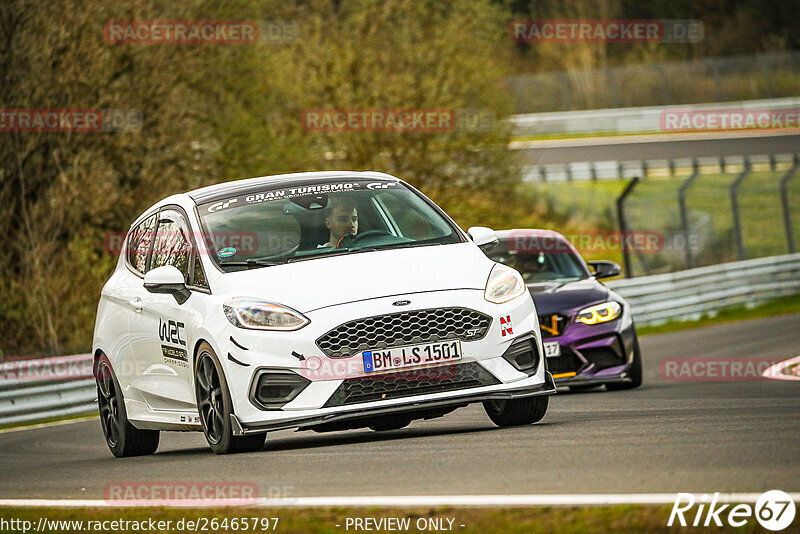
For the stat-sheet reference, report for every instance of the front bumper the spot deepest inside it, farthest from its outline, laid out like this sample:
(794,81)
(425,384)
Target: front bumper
(593,354)
(255,352)
(465,397)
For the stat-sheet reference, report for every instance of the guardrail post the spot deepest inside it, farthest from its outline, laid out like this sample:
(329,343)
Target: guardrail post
(593,171)
(787,216)
(682,192)
(737,222)
(623,225)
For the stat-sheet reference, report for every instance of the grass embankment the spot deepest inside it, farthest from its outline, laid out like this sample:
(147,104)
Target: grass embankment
(773,308)
(621,518)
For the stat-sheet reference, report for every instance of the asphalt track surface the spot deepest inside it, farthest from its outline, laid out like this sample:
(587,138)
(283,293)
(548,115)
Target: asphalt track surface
(735,436)
(632,148)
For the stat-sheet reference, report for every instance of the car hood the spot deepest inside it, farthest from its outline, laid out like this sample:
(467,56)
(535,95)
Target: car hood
(555,297)
(312,284)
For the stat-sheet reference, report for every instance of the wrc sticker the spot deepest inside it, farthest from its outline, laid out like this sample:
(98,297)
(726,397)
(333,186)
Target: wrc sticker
(505,324)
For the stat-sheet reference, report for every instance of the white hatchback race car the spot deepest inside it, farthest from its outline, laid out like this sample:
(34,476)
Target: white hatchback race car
(324,300)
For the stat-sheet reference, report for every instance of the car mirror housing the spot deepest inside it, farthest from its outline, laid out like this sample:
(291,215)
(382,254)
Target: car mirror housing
(484,237)
(167,280)
(605,269)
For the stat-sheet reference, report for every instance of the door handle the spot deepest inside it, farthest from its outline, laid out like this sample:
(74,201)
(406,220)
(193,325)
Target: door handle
(136,304)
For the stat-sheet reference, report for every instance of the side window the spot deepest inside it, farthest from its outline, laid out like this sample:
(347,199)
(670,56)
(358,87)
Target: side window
(171,245)
(139,240)
(199,275)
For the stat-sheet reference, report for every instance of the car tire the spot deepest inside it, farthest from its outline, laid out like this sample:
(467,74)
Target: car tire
(123,439)
(215,407)
(634,371)
(516,412)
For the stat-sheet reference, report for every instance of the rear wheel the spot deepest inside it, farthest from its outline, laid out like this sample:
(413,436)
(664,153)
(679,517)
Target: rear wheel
(525,411)
(634,371)
(122,438)
(215,407)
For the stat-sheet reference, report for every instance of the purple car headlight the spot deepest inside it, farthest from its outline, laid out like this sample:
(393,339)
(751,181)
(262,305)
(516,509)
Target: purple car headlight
(599,313)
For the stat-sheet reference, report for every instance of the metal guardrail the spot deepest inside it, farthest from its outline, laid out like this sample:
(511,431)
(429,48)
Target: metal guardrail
(690,294)
(592,171)
(35,390)
(635,120)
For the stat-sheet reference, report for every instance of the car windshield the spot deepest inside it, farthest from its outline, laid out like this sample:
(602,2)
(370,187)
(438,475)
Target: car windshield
(560,264)
(278,225)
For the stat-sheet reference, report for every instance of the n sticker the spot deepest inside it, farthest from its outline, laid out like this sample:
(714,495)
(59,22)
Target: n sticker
(505,324)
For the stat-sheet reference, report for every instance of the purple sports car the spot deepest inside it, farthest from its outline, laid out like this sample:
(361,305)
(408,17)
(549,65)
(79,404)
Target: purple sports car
(587,329)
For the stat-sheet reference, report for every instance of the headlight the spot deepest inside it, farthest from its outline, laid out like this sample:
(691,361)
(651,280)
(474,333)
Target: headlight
(262,315)
(599,313)
(504,284)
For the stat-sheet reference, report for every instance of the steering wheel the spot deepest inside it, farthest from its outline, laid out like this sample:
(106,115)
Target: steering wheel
(350,240)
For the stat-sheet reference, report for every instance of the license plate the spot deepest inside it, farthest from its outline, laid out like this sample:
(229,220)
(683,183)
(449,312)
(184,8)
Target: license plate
(552,349)
(411,356)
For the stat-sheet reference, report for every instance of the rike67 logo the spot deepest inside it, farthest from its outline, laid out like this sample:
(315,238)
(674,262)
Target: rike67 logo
(774,510)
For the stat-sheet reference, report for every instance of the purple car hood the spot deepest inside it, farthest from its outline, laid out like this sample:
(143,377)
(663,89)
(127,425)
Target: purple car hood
(555,297)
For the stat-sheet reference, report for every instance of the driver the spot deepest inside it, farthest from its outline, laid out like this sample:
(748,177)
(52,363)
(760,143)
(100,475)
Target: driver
(341,219)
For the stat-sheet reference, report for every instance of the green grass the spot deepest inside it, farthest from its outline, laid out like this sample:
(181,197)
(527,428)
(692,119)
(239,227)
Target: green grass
(540,519)
(773,308)
(48,420)
(653,205)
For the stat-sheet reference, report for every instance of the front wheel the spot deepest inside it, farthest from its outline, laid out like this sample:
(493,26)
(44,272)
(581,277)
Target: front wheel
(525,411)
(122,438)
(215,407)
(634,371)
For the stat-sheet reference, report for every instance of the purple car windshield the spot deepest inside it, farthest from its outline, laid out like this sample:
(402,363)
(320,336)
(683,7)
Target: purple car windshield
(541,266)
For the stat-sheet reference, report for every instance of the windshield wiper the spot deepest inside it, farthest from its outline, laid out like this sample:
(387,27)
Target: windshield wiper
(251,262)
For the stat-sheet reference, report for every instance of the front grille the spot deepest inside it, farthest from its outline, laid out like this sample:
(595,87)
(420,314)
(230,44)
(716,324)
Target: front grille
(413,382)
(552,325)
(567,362)
(404,328)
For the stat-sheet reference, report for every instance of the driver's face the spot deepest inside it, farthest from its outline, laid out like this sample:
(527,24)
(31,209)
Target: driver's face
(342,222)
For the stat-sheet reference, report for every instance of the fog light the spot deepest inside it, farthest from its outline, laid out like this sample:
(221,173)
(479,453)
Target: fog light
(523,354)
(273,388)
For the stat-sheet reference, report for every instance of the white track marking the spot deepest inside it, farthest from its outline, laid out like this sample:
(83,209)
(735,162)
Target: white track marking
(776,371)
(406,501)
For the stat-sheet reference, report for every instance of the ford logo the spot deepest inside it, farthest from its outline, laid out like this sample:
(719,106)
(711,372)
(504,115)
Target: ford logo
(401,303)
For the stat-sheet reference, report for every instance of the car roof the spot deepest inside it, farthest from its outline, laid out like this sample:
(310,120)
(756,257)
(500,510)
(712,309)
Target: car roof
(215,192)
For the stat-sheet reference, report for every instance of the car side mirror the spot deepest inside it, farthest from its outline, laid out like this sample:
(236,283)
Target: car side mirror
(168,280)
(604,269)
(484,237)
